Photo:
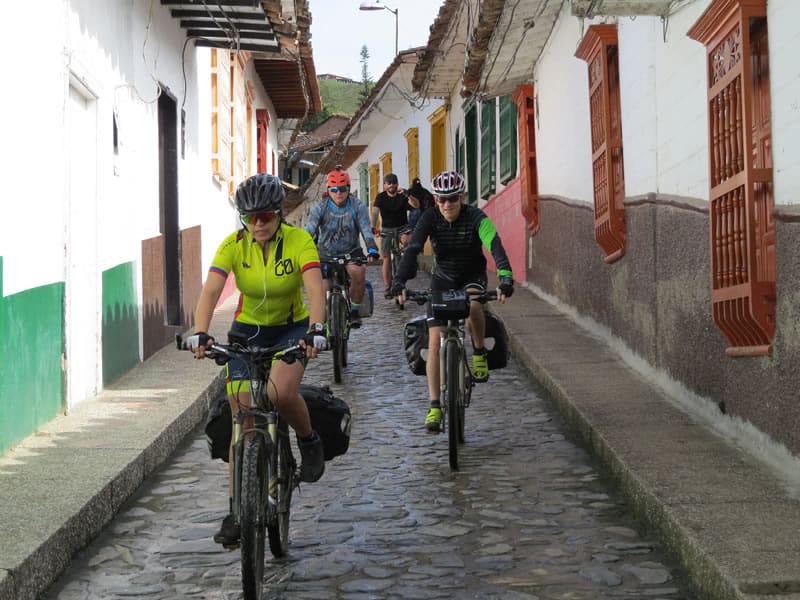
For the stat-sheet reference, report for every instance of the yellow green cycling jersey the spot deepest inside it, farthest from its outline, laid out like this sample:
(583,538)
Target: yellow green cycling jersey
(270,281)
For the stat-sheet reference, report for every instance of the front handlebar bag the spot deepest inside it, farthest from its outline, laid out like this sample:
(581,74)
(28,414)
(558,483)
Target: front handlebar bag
(449,304)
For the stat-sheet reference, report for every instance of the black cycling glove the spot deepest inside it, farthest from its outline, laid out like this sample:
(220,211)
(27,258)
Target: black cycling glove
(316,337)
(506,286)
(397,288)
(200,338)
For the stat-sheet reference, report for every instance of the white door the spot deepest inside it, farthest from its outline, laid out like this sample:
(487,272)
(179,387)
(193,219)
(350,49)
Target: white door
(82,297)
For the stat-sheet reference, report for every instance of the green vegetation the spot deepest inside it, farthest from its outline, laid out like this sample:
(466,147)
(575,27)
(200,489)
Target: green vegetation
(340,98)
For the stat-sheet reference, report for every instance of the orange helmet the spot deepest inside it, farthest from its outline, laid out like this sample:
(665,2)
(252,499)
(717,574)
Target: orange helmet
(338,177)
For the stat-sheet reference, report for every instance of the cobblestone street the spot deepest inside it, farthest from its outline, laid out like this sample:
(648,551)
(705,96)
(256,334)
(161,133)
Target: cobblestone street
(527,517)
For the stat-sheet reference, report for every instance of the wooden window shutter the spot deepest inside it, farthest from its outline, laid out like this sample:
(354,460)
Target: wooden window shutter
(599,49)
(412,144)
(262,129)
(488,148)
(374,182)
(508,139)
(742,229)
(221,114)
(386,163)
(239,124)
(528,177)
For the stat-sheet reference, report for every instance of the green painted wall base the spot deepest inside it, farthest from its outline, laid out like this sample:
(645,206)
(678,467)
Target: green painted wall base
(31,343)
(120,321)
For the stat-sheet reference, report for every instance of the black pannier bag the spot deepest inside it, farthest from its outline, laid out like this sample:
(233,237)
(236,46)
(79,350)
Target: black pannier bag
(330,418)
(415,341)
(449,304)
(498,353)
(219,424)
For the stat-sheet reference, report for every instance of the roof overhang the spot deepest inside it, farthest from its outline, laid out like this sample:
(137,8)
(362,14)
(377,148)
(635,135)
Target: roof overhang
(501,48)
(620,8)
(234,24)
(276,34)
(492,57)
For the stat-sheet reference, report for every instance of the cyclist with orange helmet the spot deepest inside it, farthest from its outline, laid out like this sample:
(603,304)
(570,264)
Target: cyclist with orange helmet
(338,223)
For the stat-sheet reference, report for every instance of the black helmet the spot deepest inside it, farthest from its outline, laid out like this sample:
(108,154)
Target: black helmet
(415,344)
(447,183)
(259,193)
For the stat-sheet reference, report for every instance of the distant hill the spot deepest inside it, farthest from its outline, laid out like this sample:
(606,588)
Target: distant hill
(339,97)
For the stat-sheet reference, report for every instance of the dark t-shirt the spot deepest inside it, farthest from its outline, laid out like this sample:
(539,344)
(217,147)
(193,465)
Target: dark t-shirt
(393,209)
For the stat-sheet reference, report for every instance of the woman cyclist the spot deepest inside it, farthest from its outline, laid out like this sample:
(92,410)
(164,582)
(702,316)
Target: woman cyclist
(272,262)
(458,234)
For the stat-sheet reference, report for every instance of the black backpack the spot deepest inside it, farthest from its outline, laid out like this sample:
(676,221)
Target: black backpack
(330,418)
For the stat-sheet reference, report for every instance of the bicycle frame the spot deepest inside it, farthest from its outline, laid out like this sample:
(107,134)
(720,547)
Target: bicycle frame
(339,308)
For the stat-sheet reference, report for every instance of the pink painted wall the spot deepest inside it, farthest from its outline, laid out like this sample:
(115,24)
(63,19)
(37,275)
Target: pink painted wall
(504,209)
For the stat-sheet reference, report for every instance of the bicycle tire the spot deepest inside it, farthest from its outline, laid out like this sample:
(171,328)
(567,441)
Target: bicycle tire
(466,378)
(337,335)
(252,506)
(452,396)
(278,527)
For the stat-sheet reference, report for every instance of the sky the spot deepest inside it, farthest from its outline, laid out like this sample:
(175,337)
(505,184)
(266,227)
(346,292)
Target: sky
(339,30)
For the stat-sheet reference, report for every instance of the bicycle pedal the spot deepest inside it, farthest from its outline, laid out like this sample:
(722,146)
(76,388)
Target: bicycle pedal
(231,546)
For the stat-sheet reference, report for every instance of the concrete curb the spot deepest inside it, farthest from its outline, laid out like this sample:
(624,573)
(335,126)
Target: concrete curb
(37,571)
(722,514)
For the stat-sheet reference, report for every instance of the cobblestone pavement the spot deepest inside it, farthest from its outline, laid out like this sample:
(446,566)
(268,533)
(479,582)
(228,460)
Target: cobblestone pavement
(527,517)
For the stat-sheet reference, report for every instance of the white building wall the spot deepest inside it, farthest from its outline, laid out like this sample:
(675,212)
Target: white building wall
(392,139)
(33,149)
(561,104)
(637,64)
(681,102)
(117,53)
(784,41)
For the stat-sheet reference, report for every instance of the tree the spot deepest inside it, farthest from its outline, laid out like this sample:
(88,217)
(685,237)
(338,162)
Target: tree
(366,80)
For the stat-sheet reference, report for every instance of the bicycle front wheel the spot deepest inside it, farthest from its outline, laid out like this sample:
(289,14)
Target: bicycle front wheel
(252,508)
(337,318)
(455,412)
(278,527)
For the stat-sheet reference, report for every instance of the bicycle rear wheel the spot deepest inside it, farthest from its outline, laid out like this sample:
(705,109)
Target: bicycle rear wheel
(455,412)
(278,527)
(252,507)
(396,257)
(337,317)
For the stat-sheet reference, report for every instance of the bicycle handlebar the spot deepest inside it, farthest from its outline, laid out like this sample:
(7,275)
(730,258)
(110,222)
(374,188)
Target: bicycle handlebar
(343,259)
(399,231)
(423,296)
(222,353)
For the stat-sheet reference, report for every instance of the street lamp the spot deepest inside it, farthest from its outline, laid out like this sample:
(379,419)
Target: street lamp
(378,5)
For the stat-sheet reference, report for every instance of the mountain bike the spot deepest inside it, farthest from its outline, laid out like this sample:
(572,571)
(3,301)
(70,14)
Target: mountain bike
(339,308)
(396,248)
(455,375)
(265,472)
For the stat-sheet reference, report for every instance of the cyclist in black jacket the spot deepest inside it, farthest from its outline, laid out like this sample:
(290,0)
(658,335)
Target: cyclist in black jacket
(458,234)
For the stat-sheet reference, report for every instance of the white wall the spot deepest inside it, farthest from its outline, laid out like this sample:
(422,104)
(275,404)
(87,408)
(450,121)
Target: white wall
(682,107)
(561,89)
(784,41)
(392,139)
